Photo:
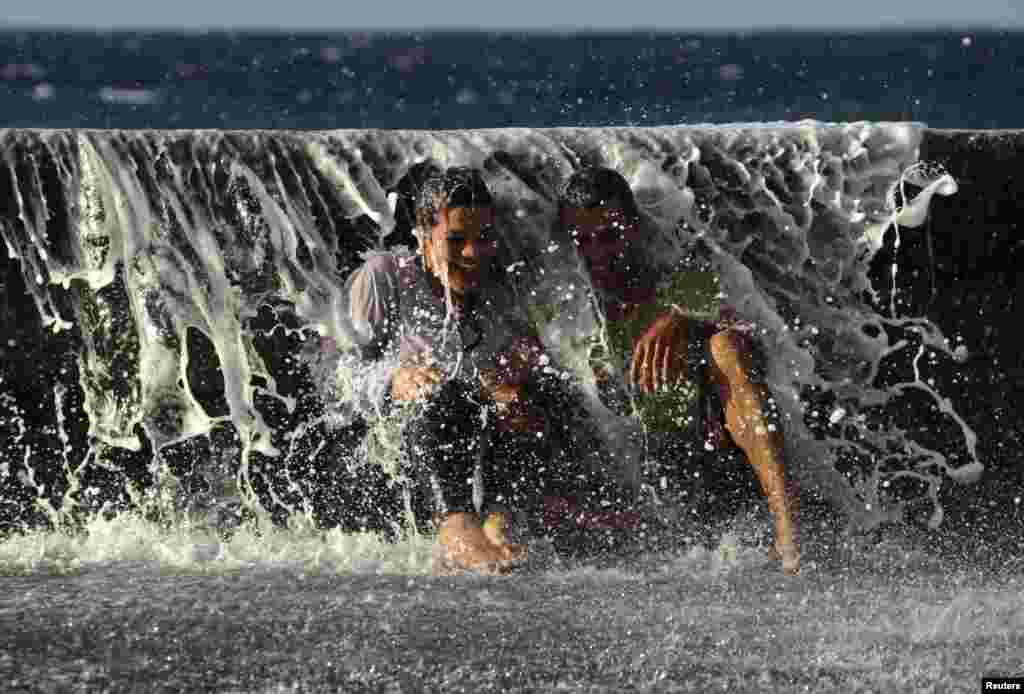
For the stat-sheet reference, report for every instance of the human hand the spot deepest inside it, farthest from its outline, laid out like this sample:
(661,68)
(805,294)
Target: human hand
(512,410)
(503,394)
(414,382)
(659,355)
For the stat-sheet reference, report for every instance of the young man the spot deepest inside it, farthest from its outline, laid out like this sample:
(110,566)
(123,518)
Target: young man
(675,362)
(442,340)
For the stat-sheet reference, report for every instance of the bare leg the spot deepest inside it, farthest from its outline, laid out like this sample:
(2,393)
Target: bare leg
(746,421)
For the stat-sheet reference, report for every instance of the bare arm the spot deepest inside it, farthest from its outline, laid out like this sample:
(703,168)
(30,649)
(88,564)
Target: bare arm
(372,295)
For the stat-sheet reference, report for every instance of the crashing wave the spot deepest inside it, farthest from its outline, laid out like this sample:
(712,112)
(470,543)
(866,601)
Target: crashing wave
(154,234)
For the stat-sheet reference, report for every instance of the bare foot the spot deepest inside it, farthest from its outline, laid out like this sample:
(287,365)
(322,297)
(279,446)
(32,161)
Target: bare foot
(463,546)
(790,557)
(495,528)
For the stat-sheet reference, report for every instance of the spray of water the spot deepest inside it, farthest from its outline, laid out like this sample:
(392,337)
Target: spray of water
(159,233)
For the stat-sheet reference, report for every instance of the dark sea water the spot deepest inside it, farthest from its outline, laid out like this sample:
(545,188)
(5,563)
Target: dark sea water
(343,80)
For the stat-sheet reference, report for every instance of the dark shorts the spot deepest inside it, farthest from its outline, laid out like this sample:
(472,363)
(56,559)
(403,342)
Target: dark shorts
(446,445)
(710,482)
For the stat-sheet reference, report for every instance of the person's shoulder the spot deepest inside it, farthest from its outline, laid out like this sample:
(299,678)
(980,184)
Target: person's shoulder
(381,261)
(378,273)
(388,266)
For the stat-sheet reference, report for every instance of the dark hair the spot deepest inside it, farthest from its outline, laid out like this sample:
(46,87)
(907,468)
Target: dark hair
(409,187)
(408,191)
(459,186)
(595,186)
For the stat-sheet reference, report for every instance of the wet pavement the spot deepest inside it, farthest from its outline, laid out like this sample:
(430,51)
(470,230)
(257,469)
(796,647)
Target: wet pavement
(694,622)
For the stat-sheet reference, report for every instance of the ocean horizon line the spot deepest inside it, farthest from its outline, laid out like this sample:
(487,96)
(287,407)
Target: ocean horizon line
(849,30)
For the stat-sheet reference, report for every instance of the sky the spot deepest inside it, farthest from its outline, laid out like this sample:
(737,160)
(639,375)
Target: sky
(512,14)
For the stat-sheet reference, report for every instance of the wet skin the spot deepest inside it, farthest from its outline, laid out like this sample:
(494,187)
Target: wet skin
(603,235)
(458,252)
(459,249)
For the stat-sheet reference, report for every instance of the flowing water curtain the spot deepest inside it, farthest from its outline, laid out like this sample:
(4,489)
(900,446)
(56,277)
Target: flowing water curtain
(794,224)
(183,229)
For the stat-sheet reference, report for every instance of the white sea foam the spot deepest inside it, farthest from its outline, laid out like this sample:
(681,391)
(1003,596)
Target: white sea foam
(198,230)
(188,545)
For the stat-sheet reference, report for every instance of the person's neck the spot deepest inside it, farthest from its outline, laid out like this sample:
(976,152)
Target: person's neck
(614,305)
(459,300)
(437,288)
(616,311)
(623,303)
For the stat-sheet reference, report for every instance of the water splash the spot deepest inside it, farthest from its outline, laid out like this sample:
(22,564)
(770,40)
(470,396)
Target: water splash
(146,235)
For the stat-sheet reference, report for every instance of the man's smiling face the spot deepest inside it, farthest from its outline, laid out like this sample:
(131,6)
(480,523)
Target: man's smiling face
(461,247)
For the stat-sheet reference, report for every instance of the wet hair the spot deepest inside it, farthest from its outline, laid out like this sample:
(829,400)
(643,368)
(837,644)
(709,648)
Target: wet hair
(459,186)
(408,192)
(596,186)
